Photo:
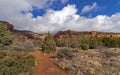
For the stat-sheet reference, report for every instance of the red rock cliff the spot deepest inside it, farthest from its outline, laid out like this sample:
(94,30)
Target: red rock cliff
(74,35)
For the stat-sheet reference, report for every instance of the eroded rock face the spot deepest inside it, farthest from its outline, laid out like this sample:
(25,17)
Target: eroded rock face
(23,34)
(20,35)
(61,35)
(66,35)
(74,35)
(29,35)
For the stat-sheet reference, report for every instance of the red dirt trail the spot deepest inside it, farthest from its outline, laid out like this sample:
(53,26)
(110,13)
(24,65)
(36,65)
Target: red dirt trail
(46,66)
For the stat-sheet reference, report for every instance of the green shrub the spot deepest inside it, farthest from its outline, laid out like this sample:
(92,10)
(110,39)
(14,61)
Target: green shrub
(6,38)
(63,43)
(74,45)
(111,42)
(13,63)
(20,45)
(84,46)
(59,43)
(49,45)
(64,53)
(38,43)
(2,54)
(94,43)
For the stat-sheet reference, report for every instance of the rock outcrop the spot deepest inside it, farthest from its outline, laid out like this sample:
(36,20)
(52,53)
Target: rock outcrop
(29,34)
(23,34)
(61,35)
(74,35)
(8,25)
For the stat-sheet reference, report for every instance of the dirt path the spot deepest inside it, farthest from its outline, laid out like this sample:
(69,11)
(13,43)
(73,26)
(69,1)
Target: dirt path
(46,66)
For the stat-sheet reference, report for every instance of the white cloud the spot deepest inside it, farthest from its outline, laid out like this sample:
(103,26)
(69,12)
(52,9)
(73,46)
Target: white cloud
(89,8)
(54,21)
(37,3)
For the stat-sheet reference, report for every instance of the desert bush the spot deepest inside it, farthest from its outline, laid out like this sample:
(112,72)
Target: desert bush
(94,43)
(66,52)
(59,43)
(29,45)
(111,42)
(21,45)
(38,43)
(2,54)
(74,44)
(84,46)
(63,43)
(14,63)
(6,37)
(49,45)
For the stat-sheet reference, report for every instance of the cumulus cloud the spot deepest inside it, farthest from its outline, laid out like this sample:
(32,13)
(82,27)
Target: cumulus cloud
(89,8)
(54,21)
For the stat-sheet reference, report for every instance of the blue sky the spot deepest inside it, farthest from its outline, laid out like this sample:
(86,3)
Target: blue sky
(104,7)
(58,15)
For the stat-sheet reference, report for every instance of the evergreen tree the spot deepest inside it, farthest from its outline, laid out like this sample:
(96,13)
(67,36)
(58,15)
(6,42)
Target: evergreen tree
(49,45)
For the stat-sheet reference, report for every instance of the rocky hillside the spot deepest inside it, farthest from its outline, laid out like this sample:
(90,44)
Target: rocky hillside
(9,26)
(23,34)
(61,35)
(74,35)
